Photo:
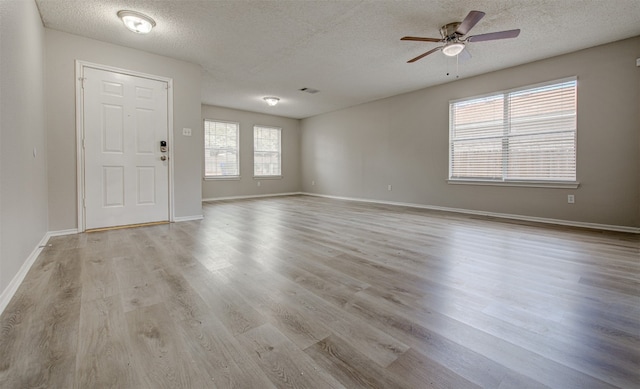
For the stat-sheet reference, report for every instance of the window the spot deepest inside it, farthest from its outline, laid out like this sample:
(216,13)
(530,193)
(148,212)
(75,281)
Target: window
(221,149)
(526,135)
(266,151)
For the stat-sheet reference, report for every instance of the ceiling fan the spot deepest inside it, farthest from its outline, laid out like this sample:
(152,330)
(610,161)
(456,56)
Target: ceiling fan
(453,36)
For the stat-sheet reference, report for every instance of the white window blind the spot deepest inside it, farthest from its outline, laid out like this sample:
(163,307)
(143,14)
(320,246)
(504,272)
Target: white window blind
(267,151)
(221,140)
(527,134)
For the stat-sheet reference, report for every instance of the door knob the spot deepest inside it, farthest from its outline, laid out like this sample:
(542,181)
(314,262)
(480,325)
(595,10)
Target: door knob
(163,157)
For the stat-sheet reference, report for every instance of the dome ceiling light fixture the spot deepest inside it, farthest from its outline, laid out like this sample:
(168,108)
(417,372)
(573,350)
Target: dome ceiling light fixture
(136,21)
(271,100)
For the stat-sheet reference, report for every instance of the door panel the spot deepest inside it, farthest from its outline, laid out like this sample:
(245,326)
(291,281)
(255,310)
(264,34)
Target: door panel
(125,118)
(146,183)
(145,134)
(113,186)
(112,129)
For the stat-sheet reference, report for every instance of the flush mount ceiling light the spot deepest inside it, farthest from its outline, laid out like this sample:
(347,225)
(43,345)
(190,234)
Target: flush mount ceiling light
(271,100)
(136,22)
(453,49)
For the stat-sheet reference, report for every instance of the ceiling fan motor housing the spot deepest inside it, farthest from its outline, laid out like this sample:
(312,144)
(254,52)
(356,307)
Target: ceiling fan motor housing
(448,31)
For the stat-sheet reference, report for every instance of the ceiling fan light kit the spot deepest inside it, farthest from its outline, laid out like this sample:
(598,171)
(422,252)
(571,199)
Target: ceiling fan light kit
(452,49)
(454,36)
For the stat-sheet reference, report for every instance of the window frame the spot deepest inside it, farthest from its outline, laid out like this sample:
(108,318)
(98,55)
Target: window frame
(222,177)
(269,176)
(550,183)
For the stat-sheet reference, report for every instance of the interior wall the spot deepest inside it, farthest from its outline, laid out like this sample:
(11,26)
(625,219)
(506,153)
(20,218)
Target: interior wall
(23,180)
(61,51)
(246,185)
(403,141)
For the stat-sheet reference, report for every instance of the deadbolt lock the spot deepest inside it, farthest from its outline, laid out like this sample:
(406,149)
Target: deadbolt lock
(163,157)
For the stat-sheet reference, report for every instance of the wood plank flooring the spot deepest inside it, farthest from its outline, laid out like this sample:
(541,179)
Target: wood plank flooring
(305,292)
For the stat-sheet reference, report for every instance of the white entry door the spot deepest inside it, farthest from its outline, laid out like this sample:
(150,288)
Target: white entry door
(126,173)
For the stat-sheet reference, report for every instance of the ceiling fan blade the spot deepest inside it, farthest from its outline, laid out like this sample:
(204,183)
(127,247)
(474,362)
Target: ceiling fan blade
(425,54)
(467,24)
(494,35)
(464,56)
(419,39)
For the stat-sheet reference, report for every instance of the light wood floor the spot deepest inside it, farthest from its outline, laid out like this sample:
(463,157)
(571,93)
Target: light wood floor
(304,292)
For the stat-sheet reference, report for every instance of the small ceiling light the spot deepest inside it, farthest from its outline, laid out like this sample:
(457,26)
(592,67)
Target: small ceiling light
(453,49)
(271,100)
(136,22)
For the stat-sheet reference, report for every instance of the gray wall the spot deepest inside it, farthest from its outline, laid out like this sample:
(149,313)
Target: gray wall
(62,50)
(403,141)
(23,180)
(247,185)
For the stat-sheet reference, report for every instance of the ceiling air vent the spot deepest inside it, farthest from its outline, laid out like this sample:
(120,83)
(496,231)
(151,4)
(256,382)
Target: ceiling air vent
(309,90)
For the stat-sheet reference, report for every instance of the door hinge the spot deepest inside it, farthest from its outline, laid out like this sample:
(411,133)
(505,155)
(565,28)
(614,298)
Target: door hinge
(84,202)
(82,79)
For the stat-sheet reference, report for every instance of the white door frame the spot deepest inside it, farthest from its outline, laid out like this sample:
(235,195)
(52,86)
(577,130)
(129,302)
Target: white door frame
(80,157)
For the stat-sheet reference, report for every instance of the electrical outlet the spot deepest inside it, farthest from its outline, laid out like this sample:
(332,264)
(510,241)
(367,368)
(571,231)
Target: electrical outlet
(258,183)
(571,199)
(389,188)
(313,183)
(186,131)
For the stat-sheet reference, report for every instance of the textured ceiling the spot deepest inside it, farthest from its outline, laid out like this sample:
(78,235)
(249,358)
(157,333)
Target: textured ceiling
(349,50)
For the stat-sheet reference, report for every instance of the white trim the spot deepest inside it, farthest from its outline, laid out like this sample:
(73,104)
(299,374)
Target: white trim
(80,185)
(222,178)
(172,146)
(71,231)
(15,283)
(267,177)
(252,196)
(12,288)
(570,223)
(179,219)
(79,76)
(528,184)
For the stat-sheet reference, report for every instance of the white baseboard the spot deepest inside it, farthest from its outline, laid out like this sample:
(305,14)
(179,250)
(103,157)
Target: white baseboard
(179,219)
(251,196)
(63,232)
(12,288)
(570,223)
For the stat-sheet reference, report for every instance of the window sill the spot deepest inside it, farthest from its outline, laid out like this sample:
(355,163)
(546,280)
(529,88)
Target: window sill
(530,184)
(222,178)
(267,177)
